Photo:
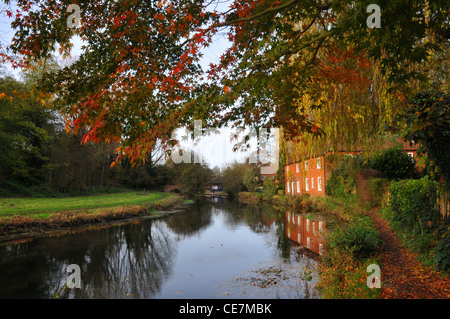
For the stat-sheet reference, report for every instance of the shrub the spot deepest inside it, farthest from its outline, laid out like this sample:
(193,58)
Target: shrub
(394,164)
(359,237)
(269,187)
(302,203)
(342,180)
(412,203)
(378,188)
(442,256)
(249,179)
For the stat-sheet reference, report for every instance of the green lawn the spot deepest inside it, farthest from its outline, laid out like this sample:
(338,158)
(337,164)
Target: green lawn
(43,207)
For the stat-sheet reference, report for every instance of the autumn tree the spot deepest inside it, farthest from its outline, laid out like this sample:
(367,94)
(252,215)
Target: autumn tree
(139,75)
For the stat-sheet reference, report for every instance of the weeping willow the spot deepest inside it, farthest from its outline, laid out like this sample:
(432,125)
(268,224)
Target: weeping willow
(348,101)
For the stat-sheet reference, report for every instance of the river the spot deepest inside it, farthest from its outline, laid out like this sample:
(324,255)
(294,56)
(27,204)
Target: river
(206,250)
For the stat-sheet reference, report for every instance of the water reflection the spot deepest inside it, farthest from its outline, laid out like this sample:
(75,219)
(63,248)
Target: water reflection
(114,262)
(184,255)
(306,230)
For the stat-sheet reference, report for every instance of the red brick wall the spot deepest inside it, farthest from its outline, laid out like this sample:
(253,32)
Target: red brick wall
(311,172)
(293,176)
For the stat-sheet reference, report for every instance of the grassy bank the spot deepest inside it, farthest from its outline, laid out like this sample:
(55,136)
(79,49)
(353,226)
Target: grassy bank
(351,249)
(44,207)
(35,216)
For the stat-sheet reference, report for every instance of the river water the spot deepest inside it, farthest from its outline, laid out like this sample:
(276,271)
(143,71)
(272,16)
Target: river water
(207,250)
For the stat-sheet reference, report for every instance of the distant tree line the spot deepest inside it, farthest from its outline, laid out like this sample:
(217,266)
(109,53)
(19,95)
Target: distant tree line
(39,157)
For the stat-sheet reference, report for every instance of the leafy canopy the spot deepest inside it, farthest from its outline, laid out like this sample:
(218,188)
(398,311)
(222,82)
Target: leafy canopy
(140,73)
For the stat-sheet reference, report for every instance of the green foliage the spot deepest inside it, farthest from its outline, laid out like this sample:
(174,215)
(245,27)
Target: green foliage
(358,237)
(413,204)
(234,178)
(249,179)
(378,188)
(342,183)
(394,164)
(428,118)
(270,187)
(194,179)
(24,132)
(442,256)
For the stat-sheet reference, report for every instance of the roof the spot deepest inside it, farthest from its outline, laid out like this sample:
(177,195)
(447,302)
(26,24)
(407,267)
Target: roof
(217,180)
(268,169)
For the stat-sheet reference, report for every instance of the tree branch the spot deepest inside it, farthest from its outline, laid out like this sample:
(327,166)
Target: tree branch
(259,14)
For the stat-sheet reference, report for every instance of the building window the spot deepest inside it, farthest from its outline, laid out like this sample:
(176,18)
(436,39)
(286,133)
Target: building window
(299,238)
(308,242)
(312,182)
(307,184)
(298,187)
(319,163)
(319,183)
(308,223)
(287,168)
(306,165)
(320,249)
(299,220)
(287,184)
(297,168)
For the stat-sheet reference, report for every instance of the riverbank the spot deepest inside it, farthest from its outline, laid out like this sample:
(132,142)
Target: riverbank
(33,217)
(362,242)
(350,248)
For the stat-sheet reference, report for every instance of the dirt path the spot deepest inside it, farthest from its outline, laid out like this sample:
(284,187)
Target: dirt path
(402,275)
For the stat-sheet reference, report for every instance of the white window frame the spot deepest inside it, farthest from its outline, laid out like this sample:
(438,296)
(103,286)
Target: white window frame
(319,183)
(312,182)
(287,184)
(307,184)
(298,187)
(306,166)
(297,168)
(319,163)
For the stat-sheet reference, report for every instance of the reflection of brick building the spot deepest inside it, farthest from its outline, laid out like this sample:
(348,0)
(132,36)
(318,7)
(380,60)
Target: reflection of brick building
(307,232)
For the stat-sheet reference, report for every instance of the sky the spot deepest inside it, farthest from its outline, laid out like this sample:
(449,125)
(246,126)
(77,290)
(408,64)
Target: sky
(215,150)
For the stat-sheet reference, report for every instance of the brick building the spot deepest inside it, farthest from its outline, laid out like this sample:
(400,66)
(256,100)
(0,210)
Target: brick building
(309,176)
